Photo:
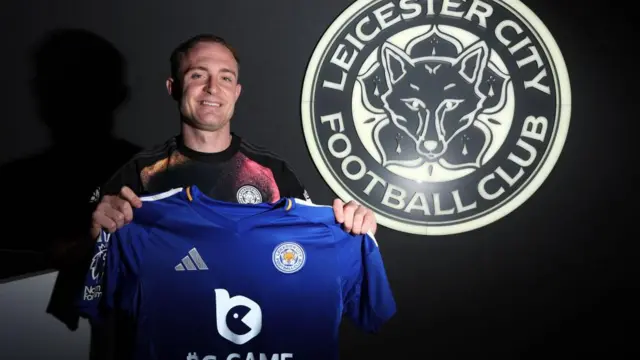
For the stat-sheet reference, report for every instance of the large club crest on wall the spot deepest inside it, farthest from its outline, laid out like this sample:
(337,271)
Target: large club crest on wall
(441,116)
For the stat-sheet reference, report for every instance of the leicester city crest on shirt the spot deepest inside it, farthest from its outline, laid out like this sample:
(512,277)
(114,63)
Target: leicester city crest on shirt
(288,257)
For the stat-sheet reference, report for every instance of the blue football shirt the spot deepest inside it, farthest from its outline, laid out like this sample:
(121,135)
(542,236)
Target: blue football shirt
(203,279)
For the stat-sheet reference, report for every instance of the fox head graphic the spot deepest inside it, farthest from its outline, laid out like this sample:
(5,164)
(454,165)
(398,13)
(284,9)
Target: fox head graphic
(432,99)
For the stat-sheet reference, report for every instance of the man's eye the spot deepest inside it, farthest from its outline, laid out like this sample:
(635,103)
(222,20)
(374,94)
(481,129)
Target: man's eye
(195,76)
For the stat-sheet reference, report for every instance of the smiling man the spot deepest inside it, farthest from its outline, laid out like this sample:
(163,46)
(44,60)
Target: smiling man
(204,83)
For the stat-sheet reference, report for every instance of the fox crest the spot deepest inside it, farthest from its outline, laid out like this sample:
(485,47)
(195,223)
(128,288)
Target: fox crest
(433,121)
(433,99)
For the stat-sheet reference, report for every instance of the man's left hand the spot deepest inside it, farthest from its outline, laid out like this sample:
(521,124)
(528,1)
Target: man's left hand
(356,218)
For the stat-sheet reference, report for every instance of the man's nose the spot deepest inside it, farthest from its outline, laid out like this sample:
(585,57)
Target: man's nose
(212,86)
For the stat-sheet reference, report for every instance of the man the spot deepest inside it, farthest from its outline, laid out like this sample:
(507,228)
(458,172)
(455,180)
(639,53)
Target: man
(204,82)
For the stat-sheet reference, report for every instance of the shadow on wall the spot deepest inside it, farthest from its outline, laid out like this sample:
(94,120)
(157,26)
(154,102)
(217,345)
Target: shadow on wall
(78,85)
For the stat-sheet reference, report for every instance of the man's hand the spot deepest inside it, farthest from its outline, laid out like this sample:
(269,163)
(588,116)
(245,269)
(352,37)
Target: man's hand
(355,217)
(114,211)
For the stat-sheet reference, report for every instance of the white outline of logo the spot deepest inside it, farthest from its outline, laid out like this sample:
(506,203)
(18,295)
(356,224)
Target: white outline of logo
(554,149)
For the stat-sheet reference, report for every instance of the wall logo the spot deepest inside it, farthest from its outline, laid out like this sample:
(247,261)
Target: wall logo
(441,116)
(238,318)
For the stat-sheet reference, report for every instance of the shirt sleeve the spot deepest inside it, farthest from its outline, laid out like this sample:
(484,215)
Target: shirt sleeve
(102,279)
(290,185)
(368,299)
(126,175)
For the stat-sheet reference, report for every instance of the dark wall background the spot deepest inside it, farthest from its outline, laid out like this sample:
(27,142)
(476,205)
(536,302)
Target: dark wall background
(552,278)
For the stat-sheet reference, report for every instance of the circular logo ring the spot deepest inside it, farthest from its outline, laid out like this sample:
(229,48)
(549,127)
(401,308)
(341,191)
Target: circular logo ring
(440,116)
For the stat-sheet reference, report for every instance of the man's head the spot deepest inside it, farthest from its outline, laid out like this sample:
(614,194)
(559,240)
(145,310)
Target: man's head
(204,81)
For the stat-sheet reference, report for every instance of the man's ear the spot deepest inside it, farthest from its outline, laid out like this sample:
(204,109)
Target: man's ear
(238,91)
(173,88)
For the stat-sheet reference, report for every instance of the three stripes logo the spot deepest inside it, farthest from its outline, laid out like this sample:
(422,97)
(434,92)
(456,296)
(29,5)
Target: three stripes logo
(193,261)
(95,196)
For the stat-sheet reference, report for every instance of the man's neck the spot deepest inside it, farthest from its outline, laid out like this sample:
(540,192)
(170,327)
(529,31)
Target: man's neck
(206,141)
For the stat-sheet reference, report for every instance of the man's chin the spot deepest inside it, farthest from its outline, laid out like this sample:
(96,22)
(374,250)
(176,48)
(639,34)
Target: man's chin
(207,123)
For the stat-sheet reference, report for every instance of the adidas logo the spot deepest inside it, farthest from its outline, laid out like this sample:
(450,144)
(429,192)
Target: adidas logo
(95,196)
(191,262)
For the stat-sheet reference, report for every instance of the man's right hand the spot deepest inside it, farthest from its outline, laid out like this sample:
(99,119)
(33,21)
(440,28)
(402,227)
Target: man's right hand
(114,211)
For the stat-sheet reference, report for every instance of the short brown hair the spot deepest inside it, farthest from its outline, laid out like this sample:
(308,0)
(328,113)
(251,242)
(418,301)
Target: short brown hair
(183,49)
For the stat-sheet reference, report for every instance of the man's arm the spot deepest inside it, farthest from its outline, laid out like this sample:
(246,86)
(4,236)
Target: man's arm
(289,184)
(75,248)
(72,254)
(118,197)
(100,279)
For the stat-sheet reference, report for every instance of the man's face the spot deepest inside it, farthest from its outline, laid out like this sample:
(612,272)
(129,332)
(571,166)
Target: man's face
(209,84)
